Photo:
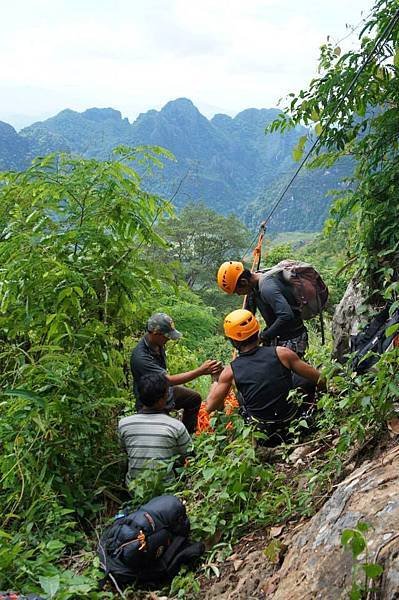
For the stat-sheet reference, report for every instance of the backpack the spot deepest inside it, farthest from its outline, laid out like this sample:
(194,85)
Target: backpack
(370,343)
(309,289)
(148,545)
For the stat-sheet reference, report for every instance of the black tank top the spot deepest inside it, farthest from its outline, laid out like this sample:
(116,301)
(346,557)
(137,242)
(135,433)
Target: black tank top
(264,383)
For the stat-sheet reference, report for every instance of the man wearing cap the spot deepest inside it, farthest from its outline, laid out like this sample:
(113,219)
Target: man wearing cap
(275,300)
(149,357)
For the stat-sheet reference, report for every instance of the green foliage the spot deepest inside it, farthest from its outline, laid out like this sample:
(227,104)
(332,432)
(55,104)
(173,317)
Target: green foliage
(330,255)
(79,277)
(296,239)
(276,254)
(77,285)
(356,541)
(365,127)
(193,318)
(299,149)
(225,486)
(199,241)
(362,402)
(217,347)
(228,488)
(72,279)
(306,205)
(185,585)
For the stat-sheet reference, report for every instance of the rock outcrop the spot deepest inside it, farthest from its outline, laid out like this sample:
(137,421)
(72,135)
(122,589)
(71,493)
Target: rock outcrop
(347,319)
(317,567)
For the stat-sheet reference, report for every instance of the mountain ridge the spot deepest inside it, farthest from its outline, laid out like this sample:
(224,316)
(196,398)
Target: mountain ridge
(227,162)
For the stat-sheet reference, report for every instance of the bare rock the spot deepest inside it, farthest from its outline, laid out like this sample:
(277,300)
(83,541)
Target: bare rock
(317,567)
(300,453)
(347,320)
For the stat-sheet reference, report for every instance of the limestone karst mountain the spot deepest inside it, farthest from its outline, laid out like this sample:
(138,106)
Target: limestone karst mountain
(229,163)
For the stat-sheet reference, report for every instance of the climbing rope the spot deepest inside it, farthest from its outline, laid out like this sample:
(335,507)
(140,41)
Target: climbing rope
(231,403)
(380,40)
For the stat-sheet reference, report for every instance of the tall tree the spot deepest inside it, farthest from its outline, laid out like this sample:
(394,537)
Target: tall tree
(73,286)
(200,239)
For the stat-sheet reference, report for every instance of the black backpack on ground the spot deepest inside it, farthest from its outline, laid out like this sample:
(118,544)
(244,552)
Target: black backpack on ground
(369,344)
(149,545)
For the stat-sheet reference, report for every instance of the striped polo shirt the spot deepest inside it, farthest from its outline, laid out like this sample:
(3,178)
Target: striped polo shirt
(152,437)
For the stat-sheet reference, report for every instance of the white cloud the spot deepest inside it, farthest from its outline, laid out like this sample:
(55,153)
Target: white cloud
(136,56)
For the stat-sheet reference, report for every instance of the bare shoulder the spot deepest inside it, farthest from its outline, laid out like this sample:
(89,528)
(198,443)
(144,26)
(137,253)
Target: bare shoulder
(226,375)
(286,356)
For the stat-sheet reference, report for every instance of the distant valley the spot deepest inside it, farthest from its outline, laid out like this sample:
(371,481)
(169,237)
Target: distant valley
(229,163)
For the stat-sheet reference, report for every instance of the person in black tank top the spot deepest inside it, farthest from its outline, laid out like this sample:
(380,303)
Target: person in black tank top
(264,383)
(263,376)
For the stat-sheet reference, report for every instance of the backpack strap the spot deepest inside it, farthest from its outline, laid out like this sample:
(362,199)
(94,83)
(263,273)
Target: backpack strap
(108,574)
(173,549)
(322,330)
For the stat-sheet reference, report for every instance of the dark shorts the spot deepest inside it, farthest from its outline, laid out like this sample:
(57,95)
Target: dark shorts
(190,401)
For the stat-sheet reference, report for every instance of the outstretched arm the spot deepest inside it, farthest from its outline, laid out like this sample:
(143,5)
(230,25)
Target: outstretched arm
(209,367)
(292,361)
(219,390)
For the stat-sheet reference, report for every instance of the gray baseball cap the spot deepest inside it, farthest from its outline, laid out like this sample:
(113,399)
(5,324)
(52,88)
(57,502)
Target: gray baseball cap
(163,323)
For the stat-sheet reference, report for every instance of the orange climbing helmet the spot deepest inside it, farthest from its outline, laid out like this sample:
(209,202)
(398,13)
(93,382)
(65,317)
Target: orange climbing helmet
(240,325)
(228,275)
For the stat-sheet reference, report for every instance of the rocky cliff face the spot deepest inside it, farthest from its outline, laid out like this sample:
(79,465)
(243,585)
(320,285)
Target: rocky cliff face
(347,320)
(94,132)
(14,149)
(316,566)
(17,150)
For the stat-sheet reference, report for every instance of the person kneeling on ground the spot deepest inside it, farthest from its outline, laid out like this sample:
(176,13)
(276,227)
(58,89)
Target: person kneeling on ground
(152,435)
(264,376)
(149,357)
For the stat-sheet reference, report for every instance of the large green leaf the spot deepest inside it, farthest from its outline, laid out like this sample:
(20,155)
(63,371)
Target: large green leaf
(20,393)
(50,585)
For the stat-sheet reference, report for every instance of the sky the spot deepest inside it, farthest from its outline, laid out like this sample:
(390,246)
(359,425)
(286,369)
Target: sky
(225,55)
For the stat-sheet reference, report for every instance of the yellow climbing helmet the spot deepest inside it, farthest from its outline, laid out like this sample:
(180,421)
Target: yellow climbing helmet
(228,275)
(240,325)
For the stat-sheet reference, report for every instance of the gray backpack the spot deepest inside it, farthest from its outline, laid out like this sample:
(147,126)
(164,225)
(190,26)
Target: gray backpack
(309,289)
